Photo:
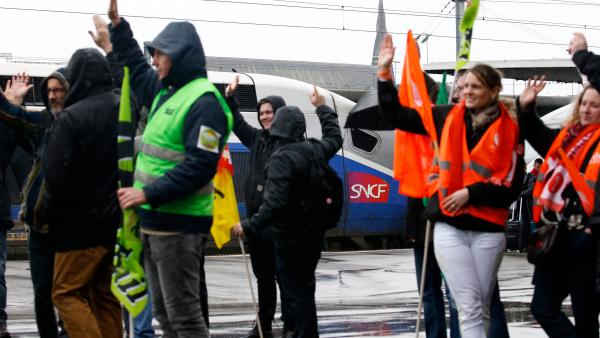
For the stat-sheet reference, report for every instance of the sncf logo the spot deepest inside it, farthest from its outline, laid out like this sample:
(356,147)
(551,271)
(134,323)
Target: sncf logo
(365,188)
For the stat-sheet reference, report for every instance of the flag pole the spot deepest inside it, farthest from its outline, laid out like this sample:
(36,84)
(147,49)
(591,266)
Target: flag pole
(260,332)
(423,275)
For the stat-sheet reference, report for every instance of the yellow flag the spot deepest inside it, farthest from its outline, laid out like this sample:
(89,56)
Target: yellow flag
(225,211)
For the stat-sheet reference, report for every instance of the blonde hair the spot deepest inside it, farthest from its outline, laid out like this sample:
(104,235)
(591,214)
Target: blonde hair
(575,117)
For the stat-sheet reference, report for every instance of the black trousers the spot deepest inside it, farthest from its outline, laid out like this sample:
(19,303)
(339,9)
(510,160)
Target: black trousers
(41,264)
(297,258)
(262,256)
(574,275)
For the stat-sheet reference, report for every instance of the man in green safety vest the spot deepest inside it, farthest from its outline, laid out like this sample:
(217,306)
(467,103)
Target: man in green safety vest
(188,125)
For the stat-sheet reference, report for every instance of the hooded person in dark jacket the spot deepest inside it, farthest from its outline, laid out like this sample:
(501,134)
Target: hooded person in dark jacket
(36,127)
(260,246)
(80,205)
(297,248)
(188,125)
(9,142)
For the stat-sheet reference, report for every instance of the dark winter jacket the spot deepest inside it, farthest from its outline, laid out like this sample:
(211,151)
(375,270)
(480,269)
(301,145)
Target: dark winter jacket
(36,128)
(81,203)
(480,193)
(181,43)
(261,146)
(588,64)
(287,169)
(9,141)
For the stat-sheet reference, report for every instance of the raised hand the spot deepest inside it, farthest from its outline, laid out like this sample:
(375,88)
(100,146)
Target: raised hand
(532,89)
(101,37)
(232,86)
(577,43)
(316,99)
(113,13)
(386,53)
(17,88)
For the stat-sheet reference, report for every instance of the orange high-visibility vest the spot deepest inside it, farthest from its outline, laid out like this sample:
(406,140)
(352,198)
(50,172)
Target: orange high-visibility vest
(492,160)
(584,184)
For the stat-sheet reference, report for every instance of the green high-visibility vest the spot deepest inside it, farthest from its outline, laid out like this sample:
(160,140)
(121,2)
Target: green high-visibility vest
(163,147)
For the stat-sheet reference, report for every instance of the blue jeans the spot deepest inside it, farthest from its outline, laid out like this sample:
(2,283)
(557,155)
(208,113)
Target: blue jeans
(173,268)
(142,324)
(3,251)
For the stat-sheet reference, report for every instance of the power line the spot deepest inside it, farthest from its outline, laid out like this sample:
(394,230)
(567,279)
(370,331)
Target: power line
(347,9)
(548,2)
(260,24)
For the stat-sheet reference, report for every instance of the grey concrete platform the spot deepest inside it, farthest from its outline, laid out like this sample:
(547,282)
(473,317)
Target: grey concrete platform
(368,293)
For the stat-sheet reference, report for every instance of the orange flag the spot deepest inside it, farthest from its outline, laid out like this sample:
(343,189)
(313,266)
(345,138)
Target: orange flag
(413,154)
(225,211)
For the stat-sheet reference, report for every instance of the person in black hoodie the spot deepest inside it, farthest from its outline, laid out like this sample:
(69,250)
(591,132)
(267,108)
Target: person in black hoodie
(260,245)
(187,129)
(297,247)
(80,205)
(36,127)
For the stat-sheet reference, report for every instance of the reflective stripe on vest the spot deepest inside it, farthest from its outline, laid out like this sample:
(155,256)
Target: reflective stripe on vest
(491,161)
(162,153)
(162,146)
(584,183)
(148,179)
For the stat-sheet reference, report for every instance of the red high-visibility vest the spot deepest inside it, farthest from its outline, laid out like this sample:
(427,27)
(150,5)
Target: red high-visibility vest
(584,183)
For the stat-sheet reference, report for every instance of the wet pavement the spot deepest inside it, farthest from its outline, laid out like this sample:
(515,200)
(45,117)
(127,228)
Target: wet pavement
(368,293)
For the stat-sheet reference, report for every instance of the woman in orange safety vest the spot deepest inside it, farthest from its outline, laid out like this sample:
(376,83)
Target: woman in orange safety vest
(475,176)
(565,194)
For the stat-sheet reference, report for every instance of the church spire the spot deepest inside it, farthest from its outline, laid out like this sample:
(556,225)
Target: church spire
(381,31)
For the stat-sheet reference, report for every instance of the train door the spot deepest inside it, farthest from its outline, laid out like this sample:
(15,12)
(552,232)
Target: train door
(374,207)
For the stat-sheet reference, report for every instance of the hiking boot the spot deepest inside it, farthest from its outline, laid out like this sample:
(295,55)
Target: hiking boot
(267,332)
(4,331)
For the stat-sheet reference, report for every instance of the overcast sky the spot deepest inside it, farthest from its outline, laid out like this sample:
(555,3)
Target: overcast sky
(57,34)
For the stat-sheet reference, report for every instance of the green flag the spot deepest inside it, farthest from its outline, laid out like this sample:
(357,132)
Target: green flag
(128,282)
(466,33)
(443,93)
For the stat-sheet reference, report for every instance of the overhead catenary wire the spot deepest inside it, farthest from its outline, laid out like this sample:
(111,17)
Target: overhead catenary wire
(263,24)
(343,9)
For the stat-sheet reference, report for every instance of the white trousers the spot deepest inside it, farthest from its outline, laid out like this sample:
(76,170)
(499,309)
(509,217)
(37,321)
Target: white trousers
(469,261)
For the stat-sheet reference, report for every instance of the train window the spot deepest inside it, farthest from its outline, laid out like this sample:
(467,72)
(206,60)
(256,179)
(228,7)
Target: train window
(364,140)
(241,163)
(245,95)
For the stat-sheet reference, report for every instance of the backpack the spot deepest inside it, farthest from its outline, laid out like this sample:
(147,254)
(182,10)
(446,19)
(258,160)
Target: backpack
(319,198)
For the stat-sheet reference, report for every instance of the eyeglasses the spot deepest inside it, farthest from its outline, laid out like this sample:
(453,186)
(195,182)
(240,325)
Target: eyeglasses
(56,90)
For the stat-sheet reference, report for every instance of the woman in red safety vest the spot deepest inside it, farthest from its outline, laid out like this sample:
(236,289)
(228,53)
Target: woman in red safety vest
(564,194)
(476,174)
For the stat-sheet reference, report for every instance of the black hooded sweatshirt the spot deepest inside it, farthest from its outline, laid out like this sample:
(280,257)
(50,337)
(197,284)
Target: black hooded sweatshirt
(261,146)
(81,204)
(287,170)
(181,43)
